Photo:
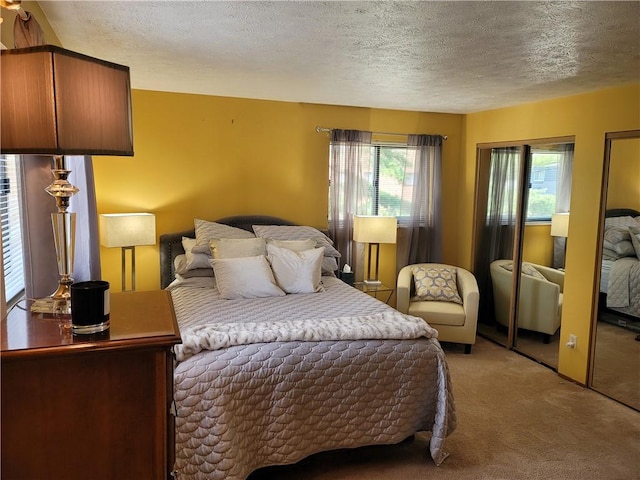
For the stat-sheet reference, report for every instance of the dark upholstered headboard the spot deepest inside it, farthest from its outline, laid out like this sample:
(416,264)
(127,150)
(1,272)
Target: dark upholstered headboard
(171,243)
(621,212)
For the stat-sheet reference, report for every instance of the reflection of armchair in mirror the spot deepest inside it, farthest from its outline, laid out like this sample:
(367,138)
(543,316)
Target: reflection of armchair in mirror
(616,348)
(541,291)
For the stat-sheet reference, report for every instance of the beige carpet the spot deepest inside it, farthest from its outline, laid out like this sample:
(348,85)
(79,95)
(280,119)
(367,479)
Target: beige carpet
(616,370)
(516,420)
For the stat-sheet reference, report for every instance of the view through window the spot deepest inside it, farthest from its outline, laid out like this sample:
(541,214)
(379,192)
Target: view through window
(391,181)
(543,184)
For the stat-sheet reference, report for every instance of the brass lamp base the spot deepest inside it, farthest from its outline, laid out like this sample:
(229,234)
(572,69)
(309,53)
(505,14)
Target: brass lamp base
(59,306)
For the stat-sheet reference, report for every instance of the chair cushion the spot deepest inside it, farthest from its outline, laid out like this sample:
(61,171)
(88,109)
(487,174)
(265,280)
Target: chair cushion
(436,284)
(438,313)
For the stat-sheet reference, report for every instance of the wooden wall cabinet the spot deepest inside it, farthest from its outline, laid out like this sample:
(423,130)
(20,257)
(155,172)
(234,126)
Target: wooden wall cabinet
(89,406)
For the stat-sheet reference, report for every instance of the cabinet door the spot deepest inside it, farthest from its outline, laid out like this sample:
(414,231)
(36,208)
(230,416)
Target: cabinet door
(100,415)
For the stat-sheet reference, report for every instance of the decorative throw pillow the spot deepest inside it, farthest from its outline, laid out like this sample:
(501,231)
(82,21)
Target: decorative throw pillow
(635,239)
(608,254)
(207,231)
(296,272)
(180,264)
(622,249)
(615,235)
(626,221)
(237,247)
(297,232)
(247,277)
(527,269)
(436,284)
(329,266)
(194,260)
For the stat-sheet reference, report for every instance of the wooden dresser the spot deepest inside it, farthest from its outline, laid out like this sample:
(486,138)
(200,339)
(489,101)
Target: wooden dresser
(91,406)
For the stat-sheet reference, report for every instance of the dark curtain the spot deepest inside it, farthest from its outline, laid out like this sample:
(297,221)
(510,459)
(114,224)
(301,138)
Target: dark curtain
(420,240)
(500,223)
(350,158)
(563,200)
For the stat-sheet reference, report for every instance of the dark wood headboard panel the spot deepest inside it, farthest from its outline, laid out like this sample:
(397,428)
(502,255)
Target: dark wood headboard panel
(171,243)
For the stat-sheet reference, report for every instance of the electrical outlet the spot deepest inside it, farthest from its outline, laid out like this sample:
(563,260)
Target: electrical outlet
(573,341)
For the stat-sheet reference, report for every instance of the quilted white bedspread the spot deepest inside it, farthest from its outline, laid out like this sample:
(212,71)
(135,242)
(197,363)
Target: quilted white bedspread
(623,289)
(255,387)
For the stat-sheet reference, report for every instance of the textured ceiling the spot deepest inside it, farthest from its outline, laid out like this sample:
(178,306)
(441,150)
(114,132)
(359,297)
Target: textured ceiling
(455,57)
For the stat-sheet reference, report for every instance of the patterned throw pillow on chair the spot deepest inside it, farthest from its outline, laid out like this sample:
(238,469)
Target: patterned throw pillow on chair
(436,284)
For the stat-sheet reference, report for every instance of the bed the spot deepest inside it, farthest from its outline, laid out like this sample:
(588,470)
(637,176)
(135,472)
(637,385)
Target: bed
(620,268)
(271,380)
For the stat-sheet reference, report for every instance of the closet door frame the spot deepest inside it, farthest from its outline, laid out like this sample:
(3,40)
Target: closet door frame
(609,138)
(483,151)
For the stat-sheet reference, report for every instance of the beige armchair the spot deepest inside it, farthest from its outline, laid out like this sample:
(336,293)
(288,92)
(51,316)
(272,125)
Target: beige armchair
(540,301)
(454,322)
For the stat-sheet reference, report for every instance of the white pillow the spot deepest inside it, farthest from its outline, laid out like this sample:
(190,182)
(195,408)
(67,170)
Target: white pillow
(329,266)
(247,277)
(193,260)
(237,247)
(296,272)
(295,245)
(207,231)
(180,264)
(297,232)
(626,221)
(635,239)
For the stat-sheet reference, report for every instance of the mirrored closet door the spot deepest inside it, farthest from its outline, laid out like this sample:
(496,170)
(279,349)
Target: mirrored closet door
(518,260)
(615,361)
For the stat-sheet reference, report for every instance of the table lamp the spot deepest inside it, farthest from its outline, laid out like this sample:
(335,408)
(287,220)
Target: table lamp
(560,225)
(374,230)
(58,102)
(127,230)
(560,228)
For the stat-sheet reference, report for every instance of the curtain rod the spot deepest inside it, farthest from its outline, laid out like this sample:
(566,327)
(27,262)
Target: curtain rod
(328,130)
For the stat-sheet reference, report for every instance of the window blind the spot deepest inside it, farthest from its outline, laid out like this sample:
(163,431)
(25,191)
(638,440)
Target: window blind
(11,228)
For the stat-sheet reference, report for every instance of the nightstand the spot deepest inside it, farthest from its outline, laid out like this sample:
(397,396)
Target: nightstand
(374,290)
(89,406)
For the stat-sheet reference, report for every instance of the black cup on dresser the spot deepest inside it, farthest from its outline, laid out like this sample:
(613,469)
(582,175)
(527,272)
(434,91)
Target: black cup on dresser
(90,307)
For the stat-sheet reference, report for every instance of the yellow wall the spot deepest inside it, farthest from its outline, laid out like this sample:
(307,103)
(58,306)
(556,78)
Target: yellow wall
(588,117)
(537,245)
(208,157)
(624,174)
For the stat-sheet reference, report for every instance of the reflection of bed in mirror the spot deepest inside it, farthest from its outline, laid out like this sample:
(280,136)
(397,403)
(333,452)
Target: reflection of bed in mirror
(620,269)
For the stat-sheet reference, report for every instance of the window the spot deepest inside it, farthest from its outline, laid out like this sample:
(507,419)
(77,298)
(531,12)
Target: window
(549,188)
(11,228)
(391,181)
(543,184)
(388,178)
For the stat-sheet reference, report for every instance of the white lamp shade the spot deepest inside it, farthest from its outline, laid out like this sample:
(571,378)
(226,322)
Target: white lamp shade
(560,225)
(374,229)
(127,229)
